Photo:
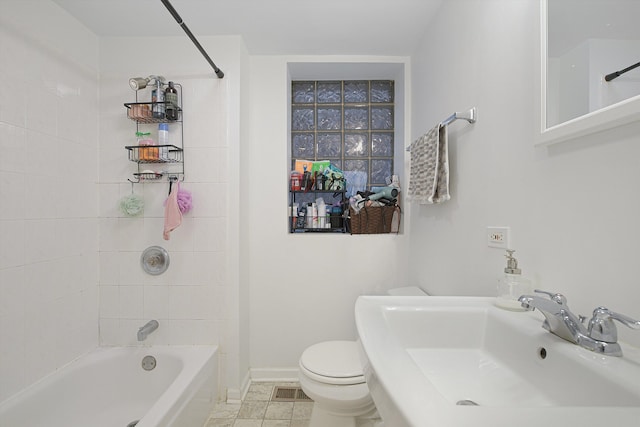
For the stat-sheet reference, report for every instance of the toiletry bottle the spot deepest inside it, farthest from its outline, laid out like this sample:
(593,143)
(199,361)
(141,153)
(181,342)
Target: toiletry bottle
(157,98)
(163,141)
(309,223)
(512,285)
(294,215)
(145,140)
(171,96)
(302,214)
(314,215)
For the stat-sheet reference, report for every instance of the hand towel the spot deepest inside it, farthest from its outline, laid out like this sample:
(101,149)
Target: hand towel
(429,176)
(172,213)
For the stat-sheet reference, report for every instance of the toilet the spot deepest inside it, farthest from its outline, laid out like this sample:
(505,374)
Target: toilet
(331,374)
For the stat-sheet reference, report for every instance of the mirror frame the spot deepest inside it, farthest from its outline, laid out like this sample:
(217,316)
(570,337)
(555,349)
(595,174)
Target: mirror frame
(623,112)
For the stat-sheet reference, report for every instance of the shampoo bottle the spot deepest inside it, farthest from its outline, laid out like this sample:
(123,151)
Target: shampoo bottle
(171,97)
(512,285)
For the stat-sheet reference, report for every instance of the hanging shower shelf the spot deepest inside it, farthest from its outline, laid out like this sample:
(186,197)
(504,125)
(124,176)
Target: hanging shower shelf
(168,155)
(143,154)
(141,112)
(148,176)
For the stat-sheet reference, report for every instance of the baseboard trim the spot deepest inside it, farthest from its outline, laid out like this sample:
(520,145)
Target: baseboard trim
(235,395)
(274,374)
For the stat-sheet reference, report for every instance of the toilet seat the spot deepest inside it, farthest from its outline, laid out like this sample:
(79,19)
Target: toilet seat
(333,362)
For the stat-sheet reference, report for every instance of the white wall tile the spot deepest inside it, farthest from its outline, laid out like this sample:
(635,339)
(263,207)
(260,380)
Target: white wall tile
(12,292)
(109,200)
(190,331)
(109,302)
(128,331)
(49,244)
(156,302)
(204,164)
(40,238)
(183,269)
(155,195)
(12,250)
(215,237)
(14,112)
(14,365)
(109,331)
(41,199)
(12,189)
(131,302)
(129,232)
(13,146)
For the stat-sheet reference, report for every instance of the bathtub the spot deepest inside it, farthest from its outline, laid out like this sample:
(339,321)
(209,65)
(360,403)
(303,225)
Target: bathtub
(109,388)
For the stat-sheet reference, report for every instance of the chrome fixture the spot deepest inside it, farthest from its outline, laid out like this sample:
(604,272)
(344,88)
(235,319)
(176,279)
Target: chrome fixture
(601,336)
(470,116)
(137,83)
(147,329)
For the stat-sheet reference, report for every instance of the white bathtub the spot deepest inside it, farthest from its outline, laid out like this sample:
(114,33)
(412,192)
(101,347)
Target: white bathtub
(109,388)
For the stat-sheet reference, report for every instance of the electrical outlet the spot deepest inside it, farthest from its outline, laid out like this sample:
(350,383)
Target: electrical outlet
(498,237)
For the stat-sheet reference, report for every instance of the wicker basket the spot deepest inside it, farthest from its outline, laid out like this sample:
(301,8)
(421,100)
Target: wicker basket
(372,220)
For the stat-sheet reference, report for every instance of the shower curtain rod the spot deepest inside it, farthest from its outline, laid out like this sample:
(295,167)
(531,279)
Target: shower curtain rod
(179,20)
(612,76)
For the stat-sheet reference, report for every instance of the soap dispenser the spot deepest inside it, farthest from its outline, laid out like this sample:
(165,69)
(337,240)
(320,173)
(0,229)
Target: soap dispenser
(512,285)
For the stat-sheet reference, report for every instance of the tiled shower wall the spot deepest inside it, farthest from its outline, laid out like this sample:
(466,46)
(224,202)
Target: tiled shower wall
(48,192)
(191,300)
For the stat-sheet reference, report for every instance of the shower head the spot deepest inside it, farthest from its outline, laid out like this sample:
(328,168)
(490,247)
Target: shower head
(137,83)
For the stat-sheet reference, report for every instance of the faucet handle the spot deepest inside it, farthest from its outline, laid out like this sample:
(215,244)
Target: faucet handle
(553,296)
(602,328)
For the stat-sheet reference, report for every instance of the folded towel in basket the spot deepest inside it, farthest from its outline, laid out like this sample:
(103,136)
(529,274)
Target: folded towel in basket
(429,176)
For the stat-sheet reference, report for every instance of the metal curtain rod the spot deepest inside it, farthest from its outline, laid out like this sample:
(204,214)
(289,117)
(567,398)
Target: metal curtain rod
(612,76)
(179,20)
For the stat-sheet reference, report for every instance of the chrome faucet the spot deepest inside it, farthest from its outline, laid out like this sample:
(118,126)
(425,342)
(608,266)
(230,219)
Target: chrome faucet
(147,329)
(601,334)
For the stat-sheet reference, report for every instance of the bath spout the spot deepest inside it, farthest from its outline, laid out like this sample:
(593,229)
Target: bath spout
(147,329)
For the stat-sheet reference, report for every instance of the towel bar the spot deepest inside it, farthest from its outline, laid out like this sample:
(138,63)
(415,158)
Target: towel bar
(469,116)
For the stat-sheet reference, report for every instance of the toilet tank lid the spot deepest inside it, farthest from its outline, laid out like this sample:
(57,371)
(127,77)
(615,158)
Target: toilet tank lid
(407,291)
(334,359)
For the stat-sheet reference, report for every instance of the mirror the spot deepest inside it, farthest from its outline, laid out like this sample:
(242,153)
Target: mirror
(582,41)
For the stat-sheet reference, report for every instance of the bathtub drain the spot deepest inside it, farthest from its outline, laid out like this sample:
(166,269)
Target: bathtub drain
(148,363)
(466,402)
(133,423)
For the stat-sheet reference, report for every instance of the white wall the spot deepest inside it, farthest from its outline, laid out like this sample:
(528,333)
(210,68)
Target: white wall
(573,208)
(48,197)
(197,300)
(303,286)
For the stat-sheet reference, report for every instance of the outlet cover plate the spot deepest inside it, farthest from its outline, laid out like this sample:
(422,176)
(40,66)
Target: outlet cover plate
(498,237)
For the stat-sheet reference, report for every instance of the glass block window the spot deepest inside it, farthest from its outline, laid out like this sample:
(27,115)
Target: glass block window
(350,123)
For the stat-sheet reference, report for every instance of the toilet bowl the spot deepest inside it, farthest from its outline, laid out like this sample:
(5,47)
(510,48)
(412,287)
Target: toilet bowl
(331,374)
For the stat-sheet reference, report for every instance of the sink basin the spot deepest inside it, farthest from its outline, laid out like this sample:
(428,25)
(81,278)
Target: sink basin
(461,361)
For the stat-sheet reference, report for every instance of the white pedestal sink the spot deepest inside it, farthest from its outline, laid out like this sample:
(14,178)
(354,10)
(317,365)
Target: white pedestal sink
(461,361)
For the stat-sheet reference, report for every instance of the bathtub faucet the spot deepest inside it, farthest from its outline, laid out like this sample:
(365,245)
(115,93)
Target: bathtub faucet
(149,327)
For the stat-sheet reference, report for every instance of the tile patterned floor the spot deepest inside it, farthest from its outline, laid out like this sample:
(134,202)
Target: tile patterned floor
(257,410)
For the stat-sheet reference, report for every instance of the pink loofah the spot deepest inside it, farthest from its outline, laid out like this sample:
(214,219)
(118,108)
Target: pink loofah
(184,200)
